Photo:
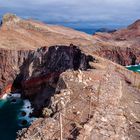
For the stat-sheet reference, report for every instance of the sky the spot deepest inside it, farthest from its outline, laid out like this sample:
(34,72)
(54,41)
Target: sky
(76,13)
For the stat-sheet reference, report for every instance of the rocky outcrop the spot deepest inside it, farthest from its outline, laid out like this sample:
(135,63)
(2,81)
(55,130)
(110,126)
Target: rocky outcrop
(97,103)
(40,71)
(35,73)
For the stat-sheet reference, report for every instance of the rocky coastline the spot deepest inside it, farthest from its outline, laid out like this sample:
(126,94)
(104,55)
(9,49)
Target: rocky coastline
(73,80)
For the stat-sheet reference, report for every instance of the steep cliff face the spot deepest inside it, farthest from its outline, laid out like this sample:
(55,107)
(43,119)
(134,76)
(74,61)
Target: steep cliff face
(35,73)
(122,56)
(40,71)
(10,62)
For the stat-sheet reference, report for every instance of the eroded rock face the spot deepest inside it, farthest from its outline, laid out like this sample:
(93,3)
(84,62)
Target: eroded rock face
(10,61)
(36,72)
(122,56)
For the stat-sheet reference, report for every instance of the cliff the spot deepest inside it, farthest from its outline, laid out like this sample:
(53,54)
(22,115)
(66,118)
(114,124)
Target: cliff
(10,62)
(20,38)
(75,91)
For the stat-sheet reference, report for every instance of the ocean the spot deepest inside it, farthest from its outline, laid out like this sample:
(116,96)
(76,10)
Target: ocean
(88,31)
(14,115)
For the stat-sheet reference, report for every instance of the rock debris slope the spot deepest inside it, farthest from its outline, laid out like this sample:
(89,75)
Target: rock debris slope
(75,91)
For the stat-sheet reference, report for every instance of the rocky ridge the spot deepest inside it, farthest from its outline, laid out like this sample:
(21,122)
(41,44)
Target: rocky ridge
(92,104)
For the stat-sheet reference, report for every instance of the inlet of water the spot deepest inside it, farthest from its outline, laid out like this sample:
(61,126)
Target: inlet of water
(14,115)
(135,68)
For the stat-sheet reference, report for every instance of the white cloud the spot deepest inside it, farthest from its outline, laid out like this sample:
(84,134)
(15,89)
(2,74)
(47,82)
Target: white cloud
(117,11)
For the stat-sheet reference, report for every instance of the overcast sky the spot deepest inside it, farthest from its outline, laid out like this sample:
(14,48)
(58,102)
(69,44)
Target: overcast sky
(78,13)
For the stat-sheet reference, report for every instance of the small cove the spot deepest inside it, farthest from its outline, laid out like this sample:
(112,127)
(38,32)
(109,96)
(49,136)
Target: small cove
(135,68)
(14,115)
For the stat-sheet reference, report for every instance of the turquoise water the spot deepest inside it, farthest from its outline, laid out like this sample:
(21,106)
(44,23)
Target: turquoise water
(135,68)
(13,113)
